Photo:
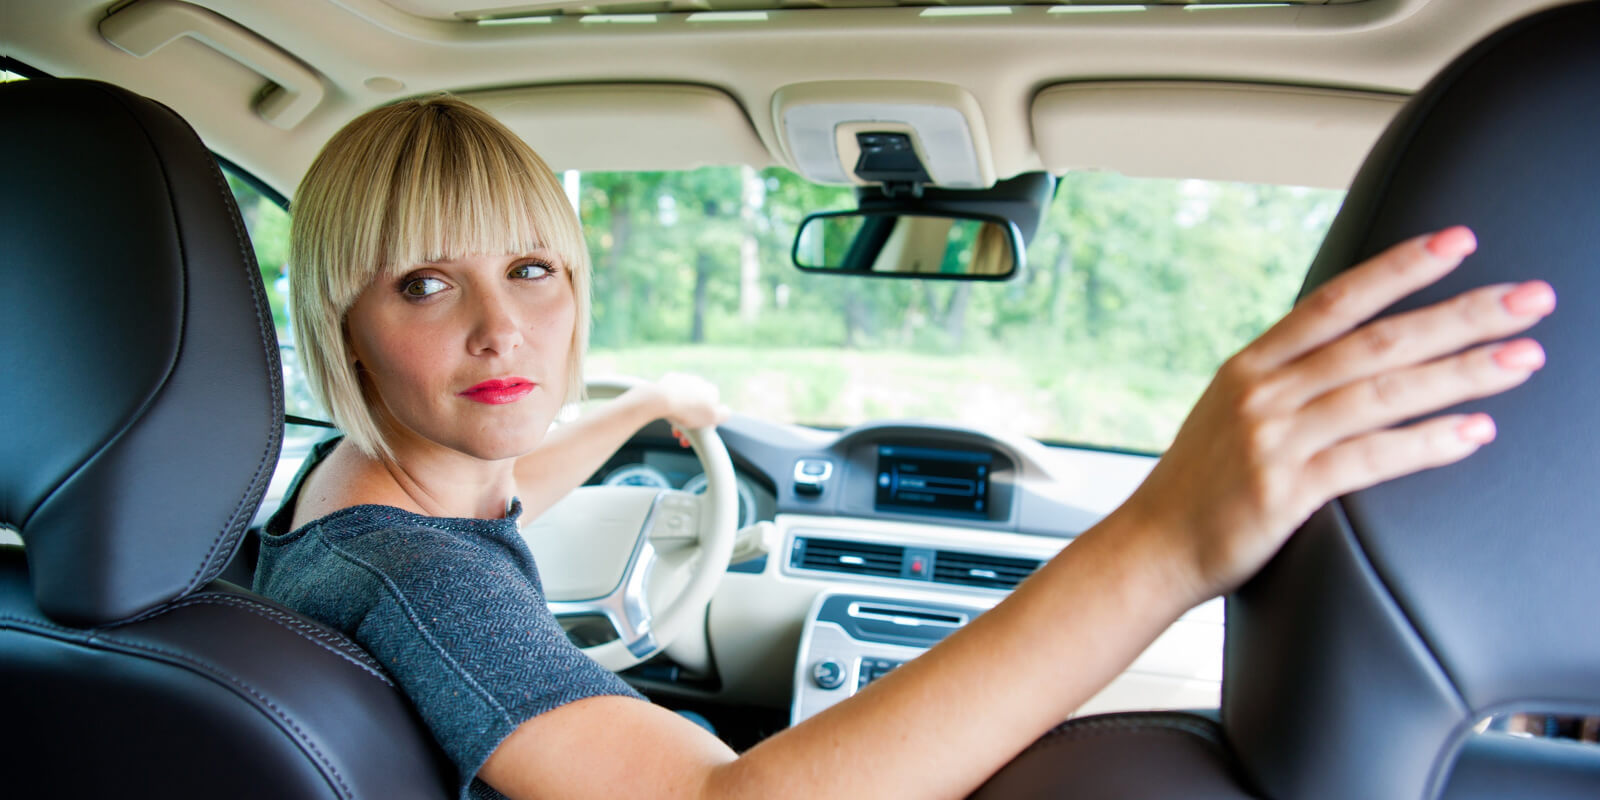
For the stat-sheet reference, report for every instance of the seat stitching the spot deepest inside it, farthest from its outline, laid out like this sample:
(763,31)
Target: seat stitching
(274,433)
(312,633)
(248,689)
(1105,726)
(247,256)
(136,415)
(215,674)
(29,622)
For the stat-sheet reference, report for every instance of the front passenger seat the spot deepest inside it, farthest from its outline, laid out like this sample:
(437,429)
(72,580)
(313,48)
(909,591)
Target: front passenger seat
(143,414)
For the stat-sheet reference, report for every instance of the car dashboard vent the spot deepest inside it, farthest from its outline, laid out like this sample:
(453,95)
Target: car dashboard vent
(984,571)
(854,558)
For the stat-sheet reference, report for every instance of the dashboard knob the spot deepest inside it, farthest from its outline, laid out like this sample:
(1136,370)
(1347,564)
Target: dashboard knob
(828,674)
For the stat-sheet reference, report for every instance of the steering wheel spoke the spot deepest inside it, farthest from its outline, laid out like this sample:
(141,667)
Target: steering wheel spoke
(646,560)
(626,606)
(676,521)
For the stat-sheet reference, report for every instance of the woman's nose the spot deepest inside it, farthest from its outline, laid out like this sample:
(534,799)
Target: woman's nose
(498,327)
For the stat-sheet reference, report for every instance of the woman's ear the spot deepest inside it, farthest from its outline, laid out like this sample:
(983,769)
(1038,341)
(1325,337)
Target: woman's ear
(349,346)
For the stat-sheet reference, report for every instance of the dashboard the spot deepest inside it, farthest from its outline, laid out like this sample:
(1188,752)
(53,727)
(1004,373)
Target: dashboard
(662,464)
(883,538)
(879,540)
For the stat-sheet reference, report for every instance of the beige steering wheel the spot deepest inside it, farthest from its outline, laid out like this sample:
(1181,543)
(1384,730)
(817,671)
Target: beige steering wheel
(647,560)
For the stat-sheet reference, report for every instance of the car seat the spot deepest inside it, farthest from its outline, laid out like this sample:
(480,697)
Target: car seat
(143,414)
(1360,662)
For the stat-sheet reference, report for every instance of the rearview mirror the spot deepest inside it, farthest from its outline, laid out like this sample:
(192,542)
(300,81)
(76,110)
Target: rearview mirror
(900,245)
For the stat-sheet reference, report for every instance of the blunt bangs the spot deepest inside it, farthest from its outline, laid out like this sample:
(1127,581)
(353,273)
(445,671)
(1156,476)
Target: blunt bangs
(459,191)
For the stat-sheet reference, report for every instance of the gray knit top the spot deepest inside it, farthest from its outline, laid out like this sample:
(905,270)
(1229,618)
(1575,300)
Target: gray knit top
(452,609)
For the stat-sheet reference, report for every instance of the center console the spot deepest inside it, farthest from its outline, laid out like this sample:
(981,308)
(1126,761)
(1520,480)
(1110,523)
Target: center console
(850,640)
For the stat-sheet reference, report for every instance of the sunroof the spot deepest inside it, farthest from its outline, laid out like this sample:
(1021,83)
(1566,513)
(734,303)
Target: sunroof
(512,11)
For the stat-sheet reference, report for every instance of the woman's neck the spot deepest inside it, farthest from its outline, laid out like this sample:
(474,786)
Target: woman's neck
(442,483)
(437,487)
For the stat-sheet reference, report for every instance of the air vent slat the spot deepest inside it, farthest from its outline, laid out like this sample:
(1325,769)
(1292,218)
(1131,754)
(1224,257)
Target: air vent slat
(950,567)
(853,558)
(976,569)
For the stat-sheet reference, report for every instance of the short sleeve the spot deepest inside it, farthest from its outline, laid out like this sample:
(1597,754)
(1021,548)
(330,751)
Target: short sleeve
(460,621)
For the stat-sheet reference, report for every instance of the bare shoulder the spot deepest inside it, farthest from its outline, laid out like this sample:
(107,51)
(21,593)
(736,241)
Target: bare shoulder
(344,479)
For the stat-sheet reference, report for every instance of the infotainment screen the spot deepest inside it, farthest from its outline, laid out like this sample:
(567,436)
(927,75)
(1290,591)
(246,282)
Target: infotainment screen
(933,480)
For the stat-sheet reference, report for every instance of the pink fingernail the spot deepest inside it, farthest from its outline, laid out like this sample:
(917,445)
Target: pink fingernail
(1522,354)
(1454,242)
(1534,298)
(1477,429)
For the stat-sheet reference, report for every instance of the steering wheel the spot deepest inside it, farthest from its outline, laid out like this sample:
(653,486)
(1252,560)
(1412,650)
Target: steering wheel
(647,560)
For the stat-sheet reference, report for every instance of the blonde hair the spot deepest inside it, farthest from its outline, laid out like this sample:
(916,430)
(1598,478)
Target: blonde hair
(417,181)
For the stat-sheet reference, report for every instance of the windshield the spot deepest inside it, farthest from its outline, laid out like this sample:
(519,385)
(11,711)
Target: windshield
(1134,293)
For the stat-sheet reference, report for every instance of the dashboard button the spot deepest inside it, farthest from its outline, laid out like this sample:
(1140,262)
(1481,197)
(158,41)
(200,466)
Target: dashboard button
(810,475)
(828,674)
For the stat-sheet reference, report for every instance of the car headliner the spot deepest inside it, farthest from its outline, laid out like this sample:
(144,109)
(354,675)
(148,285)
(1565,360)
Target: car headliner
(621,79)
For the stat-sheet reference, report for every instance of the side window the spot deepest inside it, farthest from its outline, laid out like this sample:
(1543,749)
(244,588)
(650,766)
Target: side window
(268,226)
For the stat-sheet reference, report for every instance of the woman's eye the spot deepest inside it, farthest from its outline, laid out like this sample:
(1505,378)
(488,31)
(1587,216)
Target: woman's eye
(422,287)
(533,270)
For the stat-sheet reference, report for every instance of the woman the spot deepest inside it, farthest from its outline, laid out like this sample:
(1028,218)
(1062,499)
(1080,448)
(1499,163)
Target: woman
(441,295)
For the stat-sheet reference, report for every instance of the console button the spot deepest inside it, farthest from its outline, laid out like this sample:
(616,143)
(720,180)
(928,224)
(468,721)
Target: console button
(811,475)
(827,674)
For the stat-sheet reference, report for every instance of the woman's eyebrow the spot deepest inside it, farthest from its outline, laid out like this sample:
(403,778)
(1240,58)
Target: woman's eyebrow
(546,253)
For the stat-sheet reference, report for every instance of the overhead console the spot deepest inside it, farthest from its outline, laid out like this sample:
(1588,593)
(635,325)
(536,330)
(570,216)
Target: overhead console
(826,126)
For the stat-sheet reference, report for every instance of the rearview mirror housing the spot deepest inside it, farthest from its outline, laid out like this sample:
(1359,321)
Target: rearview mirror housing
(886,243)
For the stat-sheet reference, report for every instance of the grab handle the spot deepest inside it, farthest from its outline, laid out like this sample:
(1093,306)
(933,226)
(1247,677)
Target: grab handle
(145,26)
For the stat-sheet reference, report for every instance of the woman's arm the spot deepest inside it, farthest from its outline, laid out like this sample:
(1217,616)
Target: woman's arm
(936,726)
(572,452)
(1301,415)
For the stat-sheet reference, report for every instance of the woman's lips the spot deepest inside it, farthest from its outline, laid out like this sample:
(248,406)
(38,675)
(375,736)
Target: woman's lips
(499,391)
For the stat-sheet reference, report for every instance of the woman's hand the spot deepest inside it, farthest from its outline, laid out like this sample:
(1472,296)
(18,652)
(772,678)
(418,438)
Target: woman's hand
(1304,413)
(688,402)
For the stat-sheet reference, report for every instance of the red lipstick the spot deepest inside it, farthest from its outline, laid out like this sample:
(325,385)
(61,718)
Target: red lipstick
(499,391)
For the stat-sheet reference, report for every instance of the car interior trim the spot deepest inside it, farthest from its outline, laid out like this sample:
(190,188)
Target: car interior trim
(142,27)
(1085,125)
(701,125)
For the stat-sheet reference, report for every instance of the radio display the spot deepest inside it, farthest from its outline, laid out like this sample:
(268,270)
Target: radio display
(934,481)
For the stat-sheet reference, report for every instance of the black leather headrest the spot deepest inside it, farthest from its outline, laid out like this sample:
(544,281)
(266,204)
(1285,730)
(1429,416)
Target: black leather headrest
(1358,661)
(143,399)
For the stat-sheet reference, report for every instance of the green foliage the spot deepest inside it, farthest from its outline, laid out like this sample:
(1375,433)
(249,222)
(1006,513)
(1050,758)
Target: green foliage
(1135,291)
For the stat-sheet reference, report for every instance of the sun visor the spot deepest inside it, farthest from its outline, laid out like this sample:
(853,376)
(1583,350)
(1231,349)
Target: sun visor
(1219,131)
(627,126)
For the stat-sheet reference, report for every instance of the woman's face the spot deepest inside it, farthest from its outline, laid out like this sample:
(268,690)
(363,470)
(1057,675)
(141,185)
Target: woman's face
(469,354)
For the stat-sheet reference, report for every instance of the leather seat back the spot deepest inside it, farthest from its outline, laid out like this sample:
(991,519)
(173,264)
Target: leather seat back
(1400,616)
(1359,661)
(143,418)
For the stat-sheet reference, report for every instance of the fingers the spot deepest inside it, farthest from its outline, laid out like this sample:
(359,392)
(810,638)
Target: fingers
(718,414)
(1492,312)
(1385,399)
(690,402)
(1379,456)
(1357,294)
